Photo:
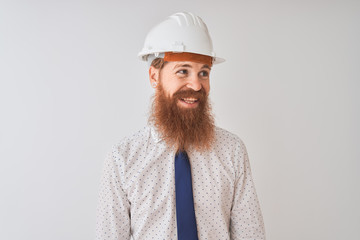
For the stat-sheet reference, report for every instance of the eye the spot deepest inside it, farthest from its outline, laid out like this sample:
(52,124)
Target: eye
(204,74)
(182,72)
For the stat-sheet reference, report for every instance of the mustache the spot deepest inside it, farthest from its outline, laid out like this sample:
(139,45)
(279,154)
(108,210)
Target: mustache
(187,93)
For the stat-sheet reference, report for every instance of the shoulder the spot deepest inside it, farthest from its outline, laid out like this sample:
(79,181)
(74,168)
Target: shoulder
(223,136)
(130,143)
(127,148)
(229,145)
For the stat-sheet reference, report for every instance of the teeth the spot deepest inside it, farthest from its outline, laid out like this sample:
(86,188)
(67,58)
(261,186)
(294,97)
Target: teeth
(189,100)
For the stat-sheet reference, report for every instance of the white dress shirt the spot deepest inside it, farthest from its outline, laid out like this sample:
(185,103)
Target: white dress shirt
(137,191)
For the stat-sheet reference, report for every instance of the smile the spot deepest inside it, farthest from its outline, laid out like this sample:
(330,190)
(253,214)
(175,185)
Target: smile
(189,100)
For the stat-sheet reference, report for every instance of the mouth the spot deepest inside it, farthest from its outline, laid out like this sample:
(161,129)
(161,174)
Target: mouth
(189,102)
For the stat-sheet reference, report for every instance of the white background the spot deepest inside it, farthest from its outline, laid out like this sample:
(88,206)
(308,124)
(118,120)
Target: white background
(71,86)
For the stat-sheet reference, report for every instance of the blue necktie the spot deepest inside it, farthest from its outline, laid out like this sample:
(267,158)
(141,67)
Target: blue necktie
(185,212)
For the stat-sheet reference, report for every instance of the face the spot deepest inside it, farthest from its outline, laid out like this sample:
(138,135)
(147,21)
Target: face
(180,109)
(178,76)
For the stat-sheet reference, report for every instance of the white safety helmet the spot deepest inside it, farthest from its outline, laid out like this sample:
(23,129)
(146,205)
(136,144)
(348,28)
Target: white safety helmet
(180,32)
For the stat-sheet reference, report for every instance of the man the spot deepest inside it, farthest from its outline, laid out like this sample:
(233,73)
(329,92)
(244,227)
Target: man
(180,177)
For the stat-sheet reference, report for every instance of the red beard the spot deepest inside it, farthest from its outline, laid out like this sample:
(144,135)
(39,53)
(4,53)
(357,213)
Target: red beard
(183,127)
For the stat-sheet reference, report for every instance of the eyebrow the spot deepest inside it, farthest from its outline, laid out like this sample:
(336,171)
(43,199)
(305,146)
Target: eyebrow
(206,66)
(189,66)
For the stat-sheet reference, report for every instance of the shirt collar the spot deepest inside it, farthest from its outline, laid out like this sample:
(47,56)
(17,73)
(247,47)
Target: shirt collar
(155,133)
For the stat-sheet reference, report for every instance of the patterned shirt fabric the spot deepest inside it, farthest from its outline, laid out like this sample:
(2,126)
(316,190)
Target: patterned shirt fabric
(137,190)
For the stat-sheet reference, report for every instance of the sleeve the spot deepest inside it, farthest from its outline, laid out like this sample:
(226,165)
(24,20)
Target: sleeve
(246,221)
(113,210)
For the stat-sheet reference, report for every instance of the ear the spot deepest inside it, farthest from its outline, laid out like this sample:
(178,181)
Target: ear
(154,76)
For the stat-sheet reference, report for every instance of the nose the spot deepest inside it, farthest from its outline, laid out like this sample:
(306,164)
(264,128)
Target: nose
(194,83)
